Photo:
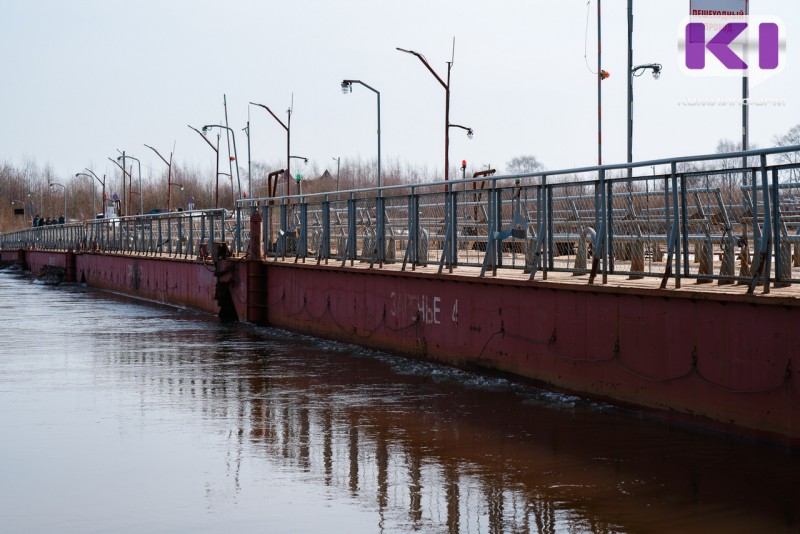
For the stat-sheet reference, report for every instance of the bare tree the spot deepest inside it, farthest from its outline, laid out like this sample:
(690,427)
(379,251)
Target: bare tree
(790,138)
(524,165)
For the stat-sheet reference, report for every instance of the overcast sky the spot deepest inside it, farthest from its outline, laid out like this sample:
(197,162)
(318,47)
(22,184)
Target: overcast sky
(82,79)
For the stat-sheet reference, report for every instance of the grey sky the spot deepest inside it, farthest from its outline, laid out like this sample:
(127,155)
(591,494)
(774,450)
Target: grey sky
(84,78)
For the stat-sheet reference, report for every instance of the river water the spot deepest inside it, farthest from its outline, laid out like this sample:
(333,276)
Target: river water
(121,416)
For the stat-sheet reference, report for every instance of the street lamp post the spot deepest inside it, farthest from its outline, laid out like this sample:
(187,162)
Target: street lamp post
(139,163)
(208,127)
(94,192)
(246,131)
(338,161)
(41,201)
(634,71)
(103,183)
(600,78)
(298,178)
(288,128)
(169,176)
(637,71)
(124,173)
(176,183)
(447,124)
(347,87)
(216,152)
(65,196)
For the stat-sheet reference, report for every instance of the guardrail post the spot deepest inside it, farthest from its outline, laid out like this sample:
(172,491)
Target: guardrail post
(610,232)
(325,242)
(265,237)
(764,262)
(549,263)
(489,258)
(684,248)
(453,260)
(283,238)
(180,236)
(302,245)
(352,234)
(237,236)
(783,263)
(601,242)
(413,230)
(211,231)
(380,237)
(497,247)
(673,249)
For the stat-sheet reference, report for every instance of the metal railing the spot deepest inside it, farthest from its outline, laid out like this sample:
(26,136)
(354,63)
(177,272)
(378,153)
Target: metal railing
(176,234)
(53,237)
(698,220)
(703,219)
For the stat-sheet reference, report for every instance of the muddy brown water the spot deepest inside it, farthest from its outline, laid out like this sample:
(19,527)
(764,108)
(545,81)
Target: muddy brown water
(122,416)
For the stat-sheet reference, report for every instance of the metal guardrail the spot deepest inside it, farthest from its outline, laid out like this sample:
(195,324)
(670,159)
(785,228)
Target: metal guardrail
(712,224)
(728,225)
(53,237)
(177,234)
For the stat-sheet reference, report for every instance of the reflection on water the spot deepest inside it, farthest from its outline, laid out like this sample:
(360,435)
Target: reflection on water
(127,417)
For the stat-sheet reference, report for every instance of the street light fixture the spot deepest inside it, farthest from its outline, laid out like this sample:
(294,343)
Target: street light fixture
(288,128)
(447,124)
(207,128)
(65,196)
(347,87)
(470,133)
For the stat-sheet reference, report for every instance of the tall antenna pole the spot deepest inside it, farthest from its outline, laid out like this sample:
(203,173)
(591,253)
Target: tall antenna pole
(745,96)
(599,90)
(228,137)
(288,144)
(630,86)
(216,199)
(249,158)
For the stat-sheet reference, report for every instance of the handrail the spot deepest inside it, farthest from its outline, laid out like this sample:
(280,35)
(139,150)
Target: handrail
(684,225)
(548,173)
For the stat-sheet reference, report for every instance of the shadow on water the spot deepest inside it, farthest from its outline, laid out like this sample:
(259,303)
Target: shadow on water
(430,448)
